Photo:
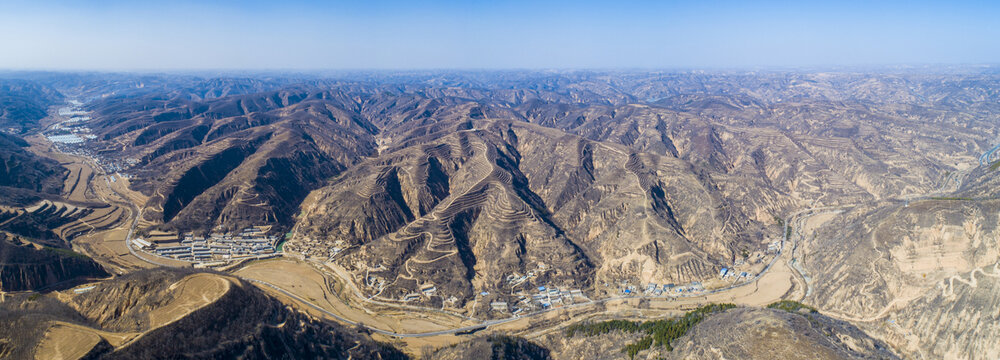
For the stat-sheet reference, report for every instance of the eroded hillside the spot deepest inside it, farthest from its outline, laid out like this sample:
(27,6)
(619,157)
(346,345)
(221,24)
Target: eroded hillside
(457,191)
(147,314)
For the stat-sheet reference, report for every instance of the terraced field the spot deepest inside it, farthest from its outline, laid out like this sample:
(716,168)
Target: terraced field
(59,222)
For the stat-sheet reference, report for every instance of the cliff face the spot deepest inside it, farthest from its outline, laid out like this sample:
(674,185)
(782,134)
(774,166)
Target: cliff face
(23,267)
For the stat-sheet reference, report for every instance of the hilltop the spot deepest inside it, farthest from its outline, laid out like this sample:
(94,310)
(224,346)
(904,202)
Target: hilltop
(149,314)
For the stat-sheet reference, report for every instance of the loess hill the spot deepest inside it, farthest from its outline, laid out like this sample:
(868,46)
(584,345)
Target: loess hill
(926,267)
(739,333)
(463,180)
(584,178)
(148,314)
(26,178)
(25,266)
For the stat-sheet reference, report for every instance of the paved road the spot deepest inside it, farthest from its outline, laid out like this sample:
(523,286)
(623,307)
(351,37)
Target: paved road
(377,330)
(785,244)
(131,230)
(485,324)
(482,325)
(986,156)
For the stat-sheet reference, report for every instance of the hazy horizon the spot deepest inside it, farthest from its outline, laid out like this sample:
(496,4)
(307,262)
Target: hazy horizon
(396,35)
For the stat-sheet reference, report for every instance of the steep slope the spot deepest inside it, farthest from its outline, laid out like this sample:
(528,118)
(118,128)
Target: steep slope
(147,314)
(640,215)
(234,161)
(957,319)
(26,267)
(871,257)
(25,177)
(532,200)
(494,348)
(776,334)
(428,216)
(925,267)
(23,103)
(739,333)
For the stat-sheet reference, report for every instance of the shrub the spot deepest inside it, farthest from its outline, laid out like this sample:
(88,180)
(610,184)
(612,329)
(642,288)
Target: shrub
(791,306)
(658,332)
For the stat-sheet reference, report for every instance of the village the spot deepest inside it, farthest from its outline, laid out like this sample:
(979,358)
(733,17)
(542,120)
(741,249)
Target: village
(215,249)
(742,270)
(546,296)
(70,136)
(72,129)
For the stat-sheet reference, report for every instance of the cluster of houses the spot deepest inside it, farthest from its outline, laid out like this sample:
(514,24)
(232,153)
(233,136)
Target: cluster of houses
(653,289)
(518,279)
(69,136)
(250,243)
(73,109)
(544,298)
(112,166)
(734,275)
(426,290)
(71,131)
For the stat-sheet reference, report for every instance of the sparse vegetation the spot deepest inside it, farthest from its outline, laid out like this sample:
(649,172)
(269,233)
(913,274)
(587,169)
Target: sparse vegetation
(950,198)
(66,252)
(642,344)
(791,306)
(796,307)
(604,327)
(995,165)
(39,268)
(659,332)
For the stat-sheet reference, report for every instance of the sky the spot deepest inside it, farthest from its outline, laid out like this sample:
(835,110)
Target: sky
(323,35)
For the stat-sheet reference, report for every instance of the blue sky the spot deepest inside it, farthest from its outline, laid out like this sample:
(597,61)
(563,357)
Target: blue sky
(302,35)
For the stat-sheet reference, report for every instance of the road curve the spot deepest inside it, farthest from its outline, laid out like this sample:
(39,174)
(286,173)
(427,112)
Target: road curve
(483,324)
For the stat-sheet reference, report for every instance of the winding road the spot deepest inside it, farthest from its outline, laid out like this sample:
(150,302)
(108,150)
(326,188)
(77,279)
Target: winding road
(783,250)
(782,253)
(985,158)
(786,251)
